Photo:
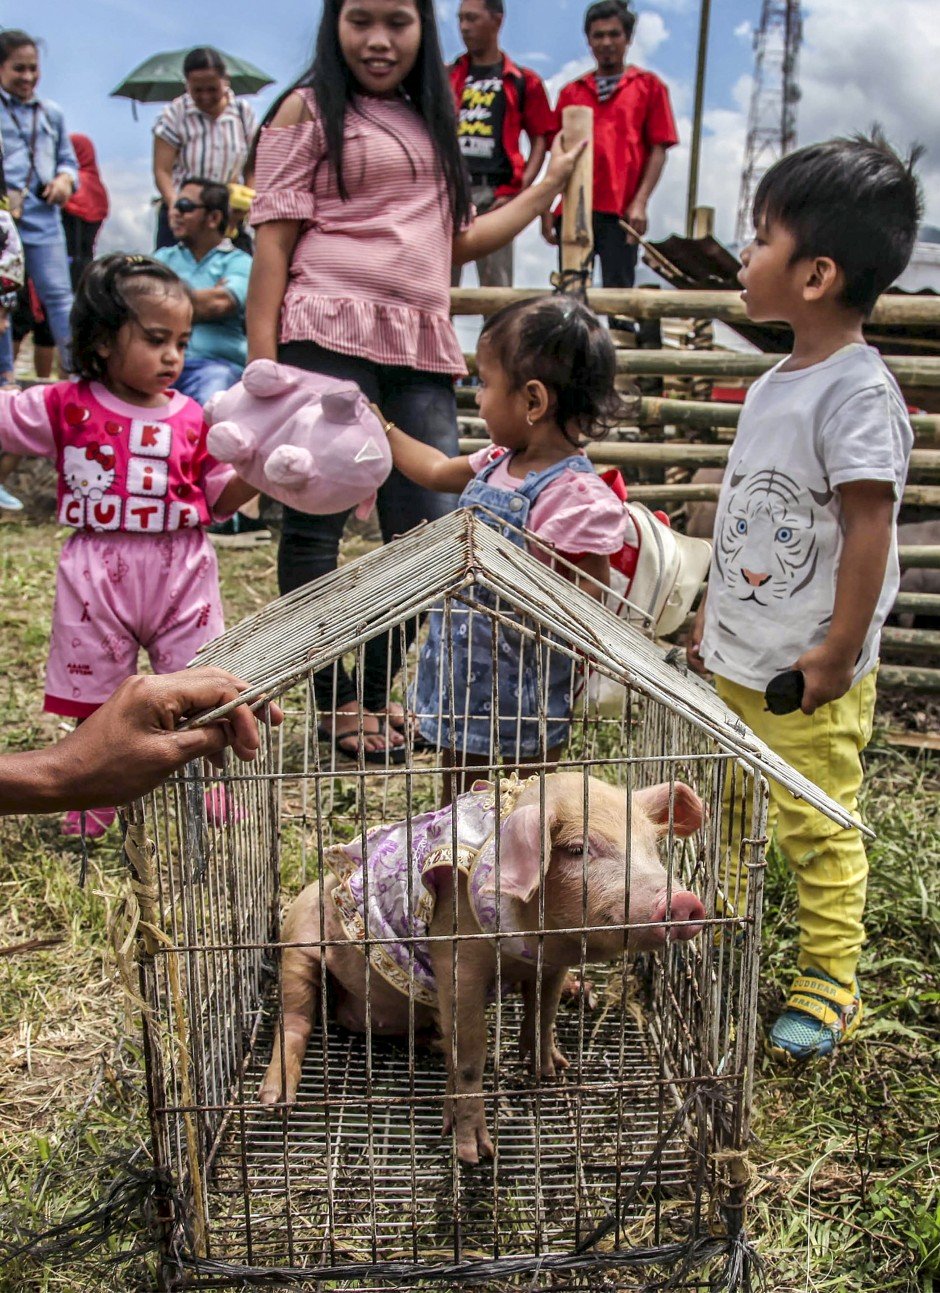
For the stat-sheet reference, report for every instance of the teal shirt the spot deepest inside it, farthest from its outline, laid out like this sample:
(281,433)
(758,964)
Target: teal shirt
(224,339)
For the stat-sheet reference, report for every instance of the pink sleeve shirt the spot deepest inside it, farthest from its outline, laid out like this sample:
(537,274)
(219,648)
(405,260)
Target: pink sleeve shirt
(121,467)
(369,276)
(576,513)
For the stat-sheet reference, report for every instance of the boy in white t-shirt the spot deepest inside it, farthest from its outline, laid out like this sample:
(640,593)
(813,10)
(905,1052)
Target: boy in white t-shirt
(805,564)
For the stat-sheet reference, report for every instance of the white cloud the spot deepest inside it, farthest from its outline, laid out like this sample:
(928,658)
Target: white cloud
(744,30)
(132,222)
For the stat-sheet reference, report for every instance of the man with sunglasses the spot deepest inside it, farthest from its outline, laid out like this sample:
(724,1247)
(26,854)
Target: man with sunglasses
(216,273)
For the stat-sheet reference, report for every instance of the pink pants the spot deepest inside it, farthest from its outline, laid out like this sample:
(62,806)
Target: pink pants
(116,593)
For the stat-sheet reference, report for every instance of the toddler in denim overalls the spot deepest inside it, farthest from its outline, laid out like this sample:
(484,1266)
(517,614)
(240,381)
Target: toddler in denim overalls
(547,370)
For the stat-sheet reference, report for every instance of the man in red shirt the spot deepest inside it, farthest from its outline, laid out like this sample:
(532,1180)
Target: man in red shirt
(633,128)
(496,101)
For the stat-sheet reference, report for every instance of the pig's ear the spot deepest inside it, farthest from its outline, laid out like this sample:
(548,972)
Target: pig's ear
(521,844)
(688,811)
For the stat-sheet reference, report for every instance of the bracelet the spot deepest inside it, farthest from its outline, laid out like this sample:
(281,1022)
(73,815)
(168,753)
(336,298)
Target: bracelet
(386,425)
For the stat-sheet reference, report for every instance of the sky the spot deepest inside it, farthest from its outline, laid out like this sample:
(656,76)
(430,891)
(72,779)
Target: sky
(859,63)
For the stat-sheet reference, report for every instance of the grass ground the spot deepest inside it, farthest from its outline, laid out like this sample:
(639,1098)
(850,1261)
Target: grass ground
(846,1190)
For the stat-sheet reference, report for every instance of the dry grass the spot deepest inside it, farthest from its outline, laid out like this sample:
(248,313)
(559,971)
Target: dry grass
(847,1192)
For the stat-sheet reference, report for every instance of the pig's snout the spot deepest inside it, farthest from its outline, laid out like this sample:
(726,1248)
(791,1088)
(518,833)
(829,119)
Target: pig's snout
(683,906)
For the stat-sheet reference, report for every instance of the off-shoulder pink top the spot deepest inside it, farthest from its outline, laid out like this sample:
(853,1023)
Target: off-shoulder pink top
(369,276)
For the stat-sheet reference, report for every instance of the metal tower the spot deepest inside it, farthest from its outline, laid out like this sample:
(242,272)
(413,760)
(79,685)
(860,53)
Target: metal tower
(771,123)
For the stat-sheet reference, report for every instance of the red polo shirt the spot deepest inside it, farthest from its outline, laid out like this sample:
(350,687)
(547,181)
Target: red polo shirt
(527,109)
(636,117)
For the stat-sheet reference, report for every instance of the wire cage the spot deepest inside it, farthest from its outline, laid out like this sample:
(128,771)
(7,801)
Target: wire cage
(624,1169)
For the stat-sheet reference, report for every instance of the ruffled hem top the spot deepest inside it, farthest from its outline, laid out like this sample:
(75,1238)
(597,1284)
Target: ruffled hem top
(369,276)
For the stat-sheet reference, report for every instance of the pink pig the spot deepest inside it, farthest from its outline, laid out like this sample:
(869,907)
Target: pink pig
(526,837)
(309,441)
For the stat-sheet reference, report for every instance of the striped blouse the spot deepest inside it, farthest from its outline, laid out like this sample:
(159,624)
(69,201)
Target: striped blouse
(214,148)
(369,276)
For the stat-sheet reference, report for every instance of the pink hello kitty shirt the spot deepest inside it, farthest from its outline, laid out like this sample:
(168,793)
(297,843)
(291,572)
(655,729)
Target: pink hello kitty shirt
(121,467)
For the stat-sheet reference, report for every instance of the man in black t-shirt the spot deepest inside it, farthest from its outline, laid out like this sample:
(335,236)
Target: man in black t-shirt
(496,101)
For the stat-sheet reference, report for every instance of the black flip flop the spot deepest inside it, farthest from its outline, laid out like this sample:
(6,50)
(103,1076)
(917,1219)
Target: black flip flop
(392,754)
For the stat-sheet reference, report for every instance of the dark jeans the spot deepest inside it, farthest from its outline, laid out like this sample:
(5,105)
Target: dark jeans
(80,238)
(423,404)
(617,256)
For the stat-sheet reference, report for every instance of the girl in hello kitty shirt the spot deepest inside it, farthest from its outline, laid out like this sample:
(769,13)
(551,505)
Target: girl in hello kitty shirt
(136,484)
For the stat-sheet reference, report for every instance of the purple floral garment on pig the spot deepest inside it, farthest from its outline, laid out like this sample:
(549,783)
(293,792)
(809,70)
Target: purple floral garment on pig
(402,917)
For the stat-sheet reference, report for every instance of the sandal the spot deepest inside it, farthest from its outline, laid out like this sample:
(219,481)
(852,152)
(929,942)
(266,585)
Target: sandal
(346,744)
(395,721)
(820,1015)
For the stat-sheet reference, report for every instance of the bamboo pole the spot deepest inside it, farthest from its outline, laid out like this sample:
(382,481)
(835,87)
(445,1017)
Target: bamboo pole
(909,370)
(695,148)
(711,413)
(905,678)
(676,453)
(577,225)
(636,303)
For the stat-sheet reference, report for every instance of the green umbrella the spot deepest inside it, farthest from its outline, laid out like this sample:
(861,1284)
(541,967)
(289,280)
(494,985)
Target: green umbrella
(160,78)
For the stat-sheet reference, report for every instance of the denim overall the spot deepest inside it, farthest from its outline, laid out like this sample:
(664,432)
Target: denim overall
(517,662)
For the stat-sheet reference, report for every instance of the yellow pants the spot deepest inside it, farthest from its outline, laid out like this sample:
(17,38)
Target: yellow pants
(829,862)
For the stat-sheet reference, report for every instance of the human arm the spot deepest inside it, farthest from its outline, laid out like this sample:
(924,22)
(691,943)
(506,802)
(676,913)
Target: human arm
(26,421)
(868,520)
(164,158)
(210,303)
(131,744)
(424,464)
(596,567)
(234,496)
(274,245)
(538,149)
(287,155)
(65,181)
(498,227)
(636,213)
(693,642)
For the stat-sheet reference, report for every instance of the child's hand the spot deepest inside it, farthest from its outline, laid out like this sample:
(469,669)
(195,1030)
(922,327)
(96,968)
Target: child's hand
(561,164)
(826,677)
(693,643)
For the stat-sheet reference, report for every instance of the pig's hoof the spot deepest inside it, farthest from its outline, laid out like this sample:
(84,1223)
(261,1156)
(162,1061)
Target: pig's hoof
(270,1094)
(553,1063)
(474,1144)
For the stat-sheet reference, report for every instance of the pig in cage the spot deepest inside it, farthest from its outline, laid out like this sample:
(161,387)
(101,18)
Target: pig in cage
(502,1029)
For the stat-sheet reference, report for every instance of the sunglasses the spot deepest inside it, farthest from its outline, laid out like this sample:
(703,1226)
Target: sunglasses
(185,205)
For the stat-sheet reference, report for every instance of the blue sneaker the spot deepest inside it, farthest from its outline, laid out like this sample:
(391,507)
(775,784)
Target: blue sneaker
(820,1015)
(9,501)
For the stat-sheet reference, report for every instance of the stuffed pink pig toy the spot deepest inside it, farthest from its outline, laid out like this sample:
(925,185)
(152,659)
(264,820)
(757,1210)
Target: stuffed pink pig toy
(309,441)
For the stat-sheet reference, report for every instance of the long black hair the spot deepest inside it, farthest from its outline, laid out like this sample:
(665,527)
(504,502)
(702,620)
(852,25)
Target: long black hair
(426,85)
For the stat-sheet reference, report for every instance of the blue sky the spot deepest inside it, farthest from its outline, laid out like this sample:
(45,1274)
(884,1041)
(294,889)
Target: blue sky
(880,64)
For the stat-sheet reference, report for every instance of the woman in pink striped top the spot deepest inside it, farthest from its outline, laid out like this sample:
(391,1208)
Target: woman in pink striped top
(362,206)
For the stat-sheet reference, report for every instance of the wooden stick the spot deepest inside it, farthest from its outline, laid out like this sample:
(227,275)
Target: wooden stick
(577,226)
(577,216)
(637,303)
(909,370)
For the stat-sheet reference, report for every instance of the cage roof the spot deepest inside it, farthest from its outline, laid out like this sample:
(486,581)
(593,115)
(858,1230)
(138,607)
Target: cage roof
(316,624)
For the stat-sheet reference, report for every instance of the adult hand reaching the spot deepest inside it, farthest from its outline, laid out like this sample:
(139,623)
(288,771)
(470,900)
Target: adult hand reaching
(132,743)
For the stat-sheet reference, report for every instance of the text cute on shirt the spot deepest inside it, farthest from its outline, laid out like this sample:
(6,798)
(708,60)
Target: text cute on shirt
(137,475)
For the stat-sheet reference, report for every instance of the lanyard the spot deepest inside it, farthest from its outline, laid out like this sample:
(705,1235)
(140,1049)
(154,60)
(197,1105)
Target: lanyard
(30,143)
